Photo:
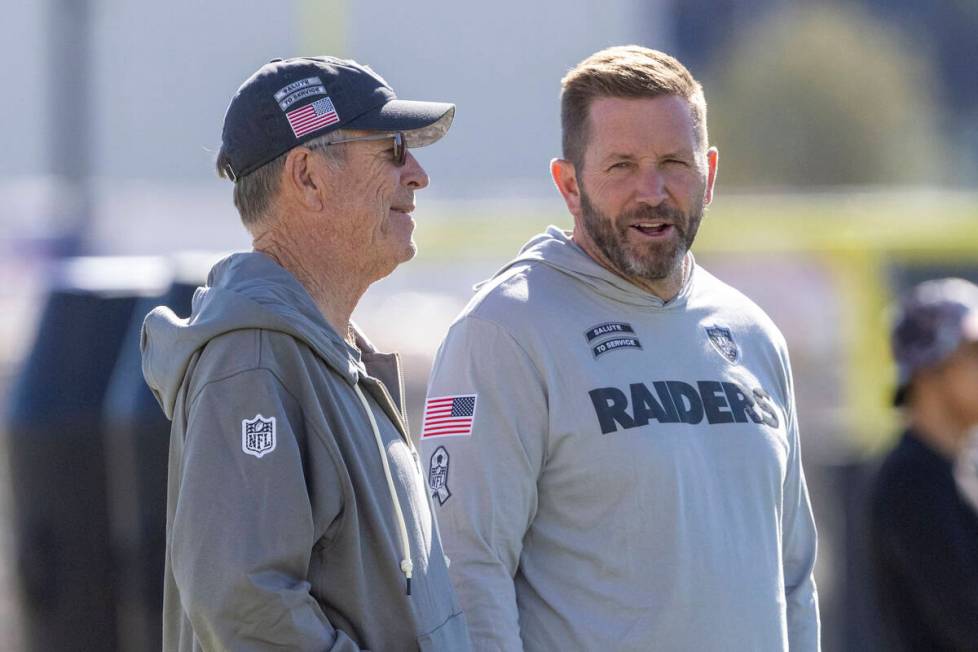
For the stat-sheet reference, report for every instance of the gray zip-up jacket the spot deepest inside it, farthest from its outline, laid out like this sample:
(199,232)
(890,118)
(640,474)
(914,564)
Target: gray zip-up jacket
(295,509)
(615,472)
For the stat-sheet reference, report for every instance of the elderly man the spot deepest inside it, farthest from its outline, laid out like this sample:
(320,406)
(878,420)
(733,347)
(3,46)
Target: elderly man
(297,515)
(610,431)
(924,531)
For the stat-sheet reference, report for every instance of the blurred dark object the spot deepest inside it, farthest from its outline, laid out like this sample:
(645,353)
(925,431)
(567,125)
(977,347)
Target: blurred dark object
(847,607)
(924,539)
(137,436)
(855,618)
(88,455)
(58,474)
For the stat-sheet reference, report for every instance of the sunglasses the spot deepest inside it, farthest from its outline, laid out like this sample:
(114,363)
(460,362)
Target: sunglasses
(400,148)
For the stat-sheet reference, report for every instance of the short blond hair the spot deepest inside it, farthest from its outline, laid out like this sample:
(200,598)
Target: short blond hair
(629,71)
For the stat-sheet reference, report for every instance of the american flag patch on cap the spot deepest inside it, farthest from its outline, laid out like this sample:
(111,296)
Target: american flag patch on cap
(311,117)
(448,416)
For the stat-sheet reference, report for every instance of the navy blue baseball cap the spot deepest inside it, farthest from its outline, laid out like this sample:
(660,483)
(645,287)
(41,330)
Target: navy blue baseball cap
(290,101)
(932,321)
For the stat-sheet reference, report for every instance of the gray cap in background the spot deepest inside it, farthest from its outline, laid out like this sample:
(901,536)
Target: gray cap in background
(933,319)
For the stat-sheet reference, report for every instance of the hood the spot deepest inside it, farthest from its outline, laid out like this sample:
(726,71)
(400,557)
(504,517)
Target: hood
(244,290)
(554,248)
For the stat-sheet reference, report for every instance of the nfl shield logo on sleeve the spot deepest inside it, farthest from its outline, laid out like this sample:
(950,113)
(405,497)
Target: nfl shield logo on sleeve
(258,435)
(438,475)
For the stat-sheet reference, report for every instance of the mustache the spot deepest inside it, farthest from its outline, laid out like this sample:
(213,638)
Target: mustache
(667,213)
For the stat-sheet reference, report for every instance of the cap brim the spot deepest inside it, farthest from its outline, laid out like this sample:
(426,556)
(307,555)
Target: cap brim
(422,123)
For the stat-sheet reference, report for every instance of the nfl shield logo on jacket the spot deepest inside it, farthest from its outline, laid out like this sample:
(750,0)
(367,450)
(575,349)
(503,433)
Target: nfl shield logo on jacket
(258,435)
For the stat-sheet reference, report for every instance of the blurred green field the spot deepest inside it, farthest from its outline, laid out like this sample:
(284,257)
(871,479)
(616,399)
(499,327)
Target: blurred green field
(906,223)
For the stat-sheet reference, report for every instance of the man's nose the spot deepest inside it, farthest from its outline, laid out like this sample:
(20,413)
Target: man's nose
(651,187)
(413,175)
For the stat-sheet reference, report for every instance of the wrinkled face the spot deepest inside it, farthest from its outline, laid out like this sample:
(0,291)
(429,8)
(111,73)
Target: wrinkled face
(644,185)
(373,199)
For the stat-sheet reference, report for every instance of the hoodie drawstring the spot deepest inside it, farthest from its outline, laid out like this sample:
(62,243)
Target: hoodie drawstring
(407,567)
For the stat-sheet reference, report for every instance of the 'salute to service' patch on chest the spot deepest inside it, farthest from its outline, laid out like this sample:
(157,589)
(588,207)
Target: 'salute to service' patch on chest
(611,336)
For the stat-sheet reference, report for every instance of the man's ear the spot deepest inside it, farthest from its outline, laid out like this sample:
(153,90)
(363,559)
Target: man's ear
(712,159)
(564,176)
(303,178)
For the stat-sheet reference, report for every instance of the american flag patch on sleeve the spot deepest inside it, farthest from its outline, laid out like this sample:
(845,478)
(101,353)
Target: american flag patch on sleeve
(446,416)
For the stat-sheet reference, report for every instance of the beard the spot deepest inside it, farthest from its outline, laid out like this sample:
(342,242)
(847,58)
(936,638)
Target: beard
(652,261)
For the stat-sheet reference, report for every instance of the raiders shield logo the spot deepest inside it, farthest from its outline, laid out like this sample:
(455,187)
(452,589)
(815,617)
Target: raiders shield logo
(438,475)
(258,436)
(723,341)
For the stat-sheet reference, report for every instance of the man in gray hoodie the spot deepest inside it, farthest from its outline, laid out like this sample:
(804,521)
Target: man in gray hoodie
(297,516)
(610,431)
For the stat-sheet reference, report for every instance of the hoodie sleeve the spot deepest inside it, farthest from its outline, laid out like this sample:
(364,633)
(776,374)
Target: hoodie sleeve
(487,496)
(798,540)
(243,529)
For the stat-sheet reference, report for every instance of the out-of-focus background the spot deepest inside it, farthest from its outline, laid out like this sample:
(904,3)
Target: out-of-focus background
(848,138)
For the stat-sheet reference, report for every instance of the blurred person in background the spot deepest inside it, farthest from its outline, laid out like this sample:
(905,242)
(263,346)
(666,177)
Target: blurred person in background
(297,513)
(924,533)
(610,431)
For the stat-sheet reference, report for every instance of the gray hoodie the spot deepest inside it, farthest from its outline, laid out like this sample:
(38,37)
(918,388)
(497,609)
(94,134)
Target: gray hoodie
(615,472)
(296,510)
